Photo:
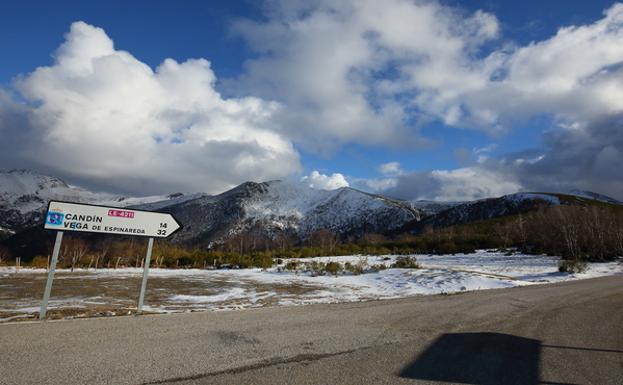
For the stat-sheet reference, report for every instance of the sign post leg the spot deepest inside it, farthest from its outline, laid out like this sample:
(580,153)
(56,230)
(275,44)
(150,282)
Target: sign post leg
(48,285)
(141,296)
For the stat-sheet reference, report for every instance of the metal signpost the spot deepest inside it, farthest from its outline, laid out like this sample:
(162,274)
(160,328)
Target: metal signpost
(66,216)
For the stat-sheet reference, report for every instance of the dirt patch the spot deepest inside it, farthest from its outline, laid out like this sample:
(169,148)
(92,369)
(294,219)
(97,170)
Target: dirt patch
(90,294)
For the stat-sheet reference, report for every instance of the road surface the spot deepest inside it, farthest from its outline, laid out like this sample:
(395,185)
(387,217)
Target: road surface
(567,333)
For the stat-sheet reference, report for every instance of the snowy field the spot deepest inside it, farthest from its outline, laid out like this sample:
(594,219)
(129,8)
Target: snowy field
(113,292)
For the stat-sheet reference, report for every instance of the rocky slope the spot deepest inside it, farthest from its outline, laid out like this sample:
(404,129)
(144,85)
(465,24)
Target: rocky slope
(269,209)
(277,207)
(24,196)
(511,204)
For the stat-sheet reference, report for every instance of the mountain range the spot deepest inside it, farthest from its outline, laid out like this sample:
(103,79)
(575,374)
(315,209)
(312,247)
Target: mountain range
(269,208)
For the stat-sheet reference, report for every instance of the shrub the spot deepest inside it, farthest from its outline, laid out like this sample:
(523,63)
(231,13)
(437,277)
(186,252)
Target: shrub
(447,247)
(333,268)
(383,251)
(348,266)
(406,262)
(572,266)
(39,262)
(263,261)
(292,265)
(356,269)
(377,268)
(316,268)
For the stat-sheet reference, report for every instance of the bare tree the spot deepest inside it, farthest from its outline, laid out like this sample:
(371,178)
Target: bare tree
(285,241)
(521,230)
(373,239)
(74,249)
(5,254)
(103,251)
(325,239)
(570,232)
(503,231)
(618,236)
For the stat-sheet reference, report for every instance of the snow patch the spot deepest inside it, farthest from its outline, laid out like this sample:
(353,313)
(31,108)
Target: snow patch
(228,295)
(519,197)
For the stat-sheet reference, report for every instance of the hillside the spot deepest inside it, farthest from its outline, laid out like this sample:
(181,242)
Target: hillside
(482,209)
(281,208)
(24,196)
(270,210)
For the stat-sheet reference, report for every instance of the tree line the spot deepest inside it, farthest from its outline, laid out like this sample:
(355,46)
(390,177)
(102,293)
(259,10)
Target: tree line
(583,233)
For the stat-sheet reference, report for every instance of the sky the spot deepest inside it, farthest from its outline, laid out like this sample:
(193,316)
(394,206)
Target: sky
(440,100)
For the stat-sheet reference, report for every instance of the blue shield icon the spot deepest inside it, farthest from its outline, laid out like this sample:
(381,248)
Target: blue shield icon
(54,218)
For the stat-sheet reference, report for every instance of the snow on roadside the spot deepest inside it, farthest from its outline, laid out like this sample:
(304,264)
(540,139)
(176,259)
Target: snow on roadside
(243,288)
(236,292)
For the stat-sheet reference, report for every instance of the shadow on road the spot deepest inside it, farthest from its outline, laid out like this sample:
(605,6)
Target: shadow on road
(478,358)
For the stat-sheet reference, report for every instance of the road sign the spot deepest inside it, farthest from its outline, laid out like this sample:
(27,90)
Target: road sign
(65,216)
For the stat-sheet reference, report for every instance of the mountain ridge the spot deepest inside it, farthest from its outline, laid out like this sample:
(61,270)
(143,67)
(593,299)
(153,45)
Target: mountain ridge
(270,209)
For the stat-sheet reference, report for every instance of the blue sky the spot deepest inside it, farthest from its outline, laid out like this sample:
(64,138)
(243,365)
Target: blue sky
(152,31)
(155,30)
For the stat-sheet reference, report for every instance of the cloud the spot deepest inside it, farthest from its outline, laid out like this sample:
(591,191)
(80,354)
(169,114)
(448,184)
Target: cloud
(355,71)
(325,182)
(483,153)
(324,74)
(390,169)
(374,73)
(365,71)
(575,76)
(585,157)
(461,184)
(377,185)
(101,116)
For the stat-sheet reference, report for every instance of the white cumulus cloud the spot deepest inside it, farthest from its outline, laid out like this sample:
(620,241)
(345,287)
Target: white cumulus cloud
(370,72)
(363,71)
(100,115)
(323,74)
(348,71)
(390,169)
(325,182)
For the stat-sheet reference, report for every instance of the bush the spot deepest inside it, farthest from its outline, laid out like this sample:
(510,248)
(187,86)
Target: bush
(39,262)
(292,265)
(333,268)
(316,268)
(406,263)
(377,268)
(356,269)
(264,261)
(572,266)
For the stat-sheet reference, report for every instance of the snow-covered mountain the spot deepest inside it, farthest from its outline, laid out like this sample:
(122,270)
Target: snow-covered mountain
(490,208)
(278,207)
(494,207)
(269,209)
(433,207)
(594,196)
(24,196)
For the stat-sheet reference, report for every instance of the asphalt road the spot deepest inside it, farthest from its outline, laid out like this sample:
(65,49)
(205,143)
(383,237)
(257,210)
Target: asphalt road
(568,333)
